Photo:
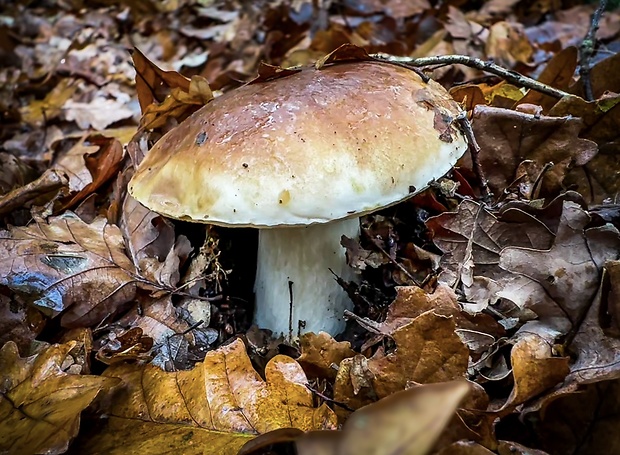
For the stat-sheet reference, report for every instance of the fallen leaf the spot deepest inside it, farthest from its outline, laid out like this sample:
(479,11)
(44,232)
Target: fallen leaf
(41,399)
(97,114)
(408,422)
(220,405)
(152,82)
(534,369)
(508,138)
(321,354)
(152,243)
(39,112)
(89,164)
(582,422)
(19,323)
(66,265)
(427,350)
(41,190)
(558,73)
(568,273)
(465,448)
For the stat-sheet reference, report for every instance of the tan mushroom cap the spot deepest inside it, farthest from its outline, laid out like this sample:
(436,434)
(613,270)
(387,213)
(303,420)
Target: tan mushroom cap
(312,147)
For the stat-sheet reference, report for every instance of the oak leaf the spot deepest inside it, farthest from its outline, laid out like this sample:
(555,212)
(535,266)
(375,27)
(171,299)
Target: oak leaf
(66,265)
(216,407)
(41,399)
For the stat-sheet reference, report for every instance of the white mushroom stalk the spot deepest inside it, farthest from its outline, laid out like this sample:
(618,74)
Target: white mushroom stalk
(296,291)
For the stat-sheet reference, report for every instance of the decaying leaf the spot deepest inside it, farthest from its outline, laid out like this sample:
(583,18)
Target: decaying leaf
(66,265)
(97,114)
(218,406)
(41,398)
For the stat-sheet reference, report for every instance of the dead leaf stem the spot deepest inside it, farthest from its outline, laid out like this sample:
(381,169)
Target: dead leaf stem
(489,67)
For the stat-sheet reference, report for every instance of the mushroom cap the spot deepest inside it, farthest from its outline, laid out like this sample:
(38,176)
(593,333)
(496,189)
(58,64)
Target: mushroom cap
(312,147)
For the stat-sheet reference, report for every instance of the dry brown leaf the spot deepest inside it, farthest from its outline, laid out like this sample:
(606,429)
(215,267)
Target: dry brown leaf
(465,448)
(406,423)
(66,265)
(97,114)
(427,350)
(151,242)
(472,239)
(178,105)
(89,164)
(601,123)
(508,138)
(219,405)
(583,423)
(534,369)
(558,73)
(42,190)
(508,45)
(39,112)
(478,332)
(321,354)
(598,354)
(41,398)
(397,9)
(14,173)
(514,448)
(566,275)
(152,83)
(19,323)
(160,321)
(130,345)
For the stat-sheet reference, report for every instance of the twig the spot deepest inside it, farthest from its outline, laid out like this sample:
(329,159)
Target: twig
(368,324)
(443,60)
(588,46)
(396,263)
(329,400)
(474,150)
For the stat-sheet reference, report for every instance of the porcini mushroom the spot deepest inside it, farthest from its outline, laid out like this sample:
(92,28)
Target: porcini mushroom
(301,158)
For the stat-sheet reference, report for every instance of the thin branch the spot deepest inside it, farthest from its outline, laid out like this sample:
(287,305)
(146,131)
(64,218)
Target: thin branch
(489,67)
(474,150)
(329,400)
(368,324)
(588,47)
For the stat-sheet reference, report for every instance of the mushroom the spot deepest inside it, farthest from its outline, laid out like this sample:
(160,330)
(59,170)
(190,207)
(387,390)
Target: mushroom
(301,158)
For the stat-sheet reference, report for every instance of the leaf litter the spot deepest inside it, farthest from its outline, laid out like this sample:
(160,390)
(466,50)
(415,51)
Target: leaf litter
(517,294)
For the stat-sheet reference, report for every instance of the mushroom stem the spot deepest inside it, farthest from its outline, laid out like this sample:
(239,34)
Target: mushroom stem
(295,290)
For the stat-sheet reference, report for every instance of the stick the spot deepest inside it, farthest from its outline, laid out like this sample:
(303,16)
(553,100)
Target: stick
(474,150)
(588,46)
(443,60)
